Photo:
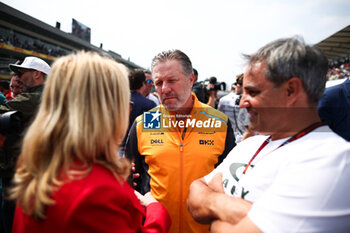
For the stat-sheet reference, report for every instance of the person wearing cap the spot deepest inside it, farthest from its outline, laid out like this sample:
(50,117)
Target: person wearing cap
(32,73)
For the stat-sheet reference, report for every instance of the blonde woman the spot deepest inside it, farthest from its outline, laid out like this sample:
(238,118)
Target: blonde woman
(69,177)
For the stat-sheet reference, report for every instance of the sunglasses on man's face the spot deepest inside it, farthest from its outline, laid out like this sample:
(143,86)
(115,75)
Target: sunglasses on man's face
(149,81)
(21,72)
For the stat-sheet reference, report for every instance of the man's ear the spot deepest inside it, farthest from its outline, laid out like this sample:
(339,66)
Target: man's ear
(192,79)
(294,88)
(38,78)
(37,74)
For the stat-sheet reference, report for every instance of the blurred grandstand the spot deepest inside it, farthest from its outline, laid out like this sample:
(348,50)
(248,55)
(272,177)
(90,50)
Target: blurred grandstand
(337,50)
(22,35)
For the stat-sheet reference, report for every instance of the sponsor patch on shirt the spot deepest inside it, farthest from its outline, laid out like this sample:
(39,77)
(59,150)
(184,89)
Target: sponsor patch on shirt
(206,142)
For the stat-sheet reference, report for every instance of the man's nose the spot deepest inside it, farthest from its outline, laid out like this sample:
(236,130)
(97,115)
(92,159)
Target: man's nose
(244,103)
(166,87)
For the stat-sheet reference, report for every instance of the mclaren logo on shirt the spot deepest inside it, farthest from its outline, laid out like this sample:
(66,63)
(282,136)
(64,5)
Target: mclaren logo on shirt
(206,142)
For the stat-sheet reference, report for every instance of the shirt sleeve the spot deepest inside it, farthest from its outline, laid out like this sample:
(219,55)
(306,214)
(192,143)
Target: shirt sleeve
(131,149)
(220,106)
(133,154)
(157,219)
(107,210)
(329,104)
(25,103)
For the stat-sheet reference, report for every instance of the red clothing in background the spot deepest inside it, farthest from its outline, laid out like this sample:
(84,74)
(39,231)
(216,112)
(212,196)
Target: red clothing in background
(8,95)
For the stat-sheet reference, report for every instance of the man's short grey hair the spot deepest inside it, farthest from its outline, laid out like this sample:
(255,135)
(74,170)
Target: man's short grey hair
(291,57)
(184,60)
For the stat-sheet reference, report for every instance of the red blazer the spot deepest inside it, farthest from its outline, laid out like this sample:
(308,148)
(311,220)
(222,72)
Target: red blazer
(96,203)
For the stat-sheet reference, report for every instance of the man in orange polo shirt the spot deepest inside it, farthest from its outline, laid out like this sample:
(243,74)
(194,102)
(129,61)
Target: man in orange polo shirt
(178,141)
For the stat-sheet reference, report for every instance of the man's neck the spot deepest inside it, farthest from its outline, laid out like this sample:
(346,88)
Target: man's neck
(184,111)
(140,91)
(296,124)
(32,88)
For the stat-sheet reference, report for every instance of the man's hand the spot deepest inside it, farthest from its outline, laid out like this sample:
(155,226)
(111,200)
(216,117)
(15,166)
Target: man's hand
(145,199)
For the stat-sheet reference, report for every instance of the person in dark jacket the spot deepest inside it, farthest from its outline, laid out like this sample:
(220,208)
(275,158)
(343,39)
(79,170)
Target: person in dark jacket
(139,103)
(32,72)
(334,108)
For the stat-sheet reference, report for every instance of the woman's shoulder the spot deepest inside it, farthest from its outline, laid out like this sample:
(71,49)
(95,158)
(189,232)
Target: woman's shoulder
(98,183)
(99,192)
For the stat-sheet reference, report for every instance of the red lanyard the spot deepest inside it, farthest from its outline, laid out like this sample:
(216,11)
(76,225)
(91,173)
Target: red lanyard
(289,140)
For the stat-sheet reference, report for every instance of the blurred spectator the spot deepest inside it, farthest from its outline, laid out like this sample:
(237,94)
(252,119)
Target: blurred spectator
(15,85)
(5,89)
(140,104)
(138,87)
(22,41)
(340,72)
(334,108)
(149,86)
(212,89)
(2,99)
(32,73)
(229,105)
(198,88)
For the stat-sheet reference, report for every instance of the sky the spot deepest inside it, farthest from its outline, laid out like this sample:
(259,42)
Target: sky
(213,33)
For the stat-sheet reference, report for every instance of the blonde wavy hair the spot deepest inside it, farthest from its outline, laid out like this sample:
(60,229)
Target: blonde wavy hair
(83,117)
